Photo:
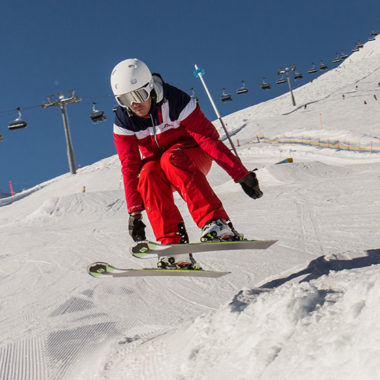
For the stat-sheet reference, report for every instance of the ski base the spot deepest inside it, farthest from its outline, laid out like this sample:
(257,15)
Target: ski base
(103,270)
(149,249)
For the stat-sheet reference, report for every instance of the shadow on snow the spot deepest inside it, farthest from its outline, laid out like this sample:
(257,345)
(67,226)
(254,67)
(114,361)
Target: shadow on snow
(318,267)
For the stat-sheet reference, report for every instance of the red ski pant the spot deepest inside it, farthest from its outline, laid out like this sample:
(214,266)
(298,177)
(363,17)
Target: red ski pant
(184,170)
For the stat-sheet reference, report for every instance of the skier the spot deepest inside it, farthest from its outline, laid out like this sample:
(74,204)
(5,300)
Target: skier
(166,144)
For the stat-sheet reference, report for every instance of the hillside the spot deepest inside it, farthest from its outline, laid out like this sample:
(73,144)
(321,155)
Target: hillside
(305,308)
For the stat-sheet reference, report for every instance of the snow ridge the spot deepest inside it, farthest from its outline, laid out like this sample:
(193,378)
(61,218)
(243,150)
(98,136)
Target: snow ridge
(272,324)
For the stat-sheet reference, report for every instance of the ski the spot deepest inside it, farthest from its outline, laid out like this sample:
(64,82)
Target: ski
(149,249)
(103,270)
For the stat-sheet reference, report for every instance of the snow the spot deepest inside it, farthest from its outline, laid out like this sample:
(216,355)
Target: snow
(307,307)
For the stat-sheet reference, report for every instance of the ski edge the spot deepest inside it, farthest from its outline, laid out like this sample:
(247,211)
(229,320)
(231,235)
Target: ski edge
(112,271)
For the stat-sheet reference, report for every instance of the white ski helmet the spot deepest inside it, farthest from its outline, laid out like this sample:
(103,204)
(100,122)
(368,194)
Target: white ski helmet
(131,81)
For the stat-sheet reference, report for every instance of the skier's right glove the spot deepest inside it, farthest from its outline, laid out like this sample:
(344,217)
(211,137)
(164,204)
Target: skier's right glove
(136,227)
(250,185)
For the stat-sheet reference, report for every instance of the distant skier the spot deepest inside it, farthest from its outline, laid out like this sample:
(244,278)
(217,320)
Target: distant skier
(166,144)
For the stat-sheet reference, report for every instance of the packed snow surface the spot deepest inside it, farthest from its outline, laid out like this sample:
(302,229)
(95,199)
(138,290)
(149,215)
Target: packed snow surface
(306,308)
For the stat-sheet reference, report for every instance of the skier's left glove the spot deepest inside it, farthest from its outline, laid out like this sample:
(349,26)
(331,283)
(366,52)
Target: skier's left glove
(250,185)
(136,227)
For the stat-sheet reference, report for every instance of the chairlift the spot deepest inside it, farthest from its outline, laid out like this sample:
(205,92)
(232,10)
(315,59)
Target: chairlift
(18,123)
(337,59)
(96,115)
(372,38)
(298,75)
(312,70)
(265,85)
(355,49)
(280,72)
(343,55)
(225,96)
(374,33)
(281,80)
(359,45)
(323,66)
(243,89)
(193,96)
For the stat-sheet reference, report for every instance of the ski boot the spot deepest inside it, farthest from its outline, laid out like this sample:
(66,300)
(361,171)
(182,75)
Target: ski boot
(219,230)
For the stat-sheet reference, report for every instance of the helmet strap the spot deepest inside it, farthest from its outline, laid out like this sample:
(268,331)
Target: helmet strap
(153,95)
(129,112)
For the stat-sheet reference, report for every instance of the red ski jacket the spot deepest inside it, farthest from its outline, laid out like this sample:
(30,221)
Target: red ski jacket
(175,120)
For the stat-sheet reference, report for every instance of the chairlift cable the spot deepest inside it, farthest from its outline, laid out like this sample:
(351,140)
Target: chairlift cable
(4,112)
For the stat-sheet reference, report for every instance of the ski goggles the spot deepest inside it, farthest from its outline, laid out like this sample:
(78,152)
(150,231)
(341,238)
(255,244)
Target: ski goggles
(140,95)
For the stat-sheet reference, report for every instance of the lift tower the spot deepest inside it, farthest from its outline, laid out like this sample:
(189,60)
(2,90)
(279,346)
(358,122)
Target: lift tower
(60,100)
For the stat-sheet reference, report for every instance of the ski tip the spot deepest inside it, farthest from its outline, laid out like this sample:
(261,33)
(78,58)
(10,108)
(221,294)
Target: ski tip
(143,249)
(139,247)
(99,269)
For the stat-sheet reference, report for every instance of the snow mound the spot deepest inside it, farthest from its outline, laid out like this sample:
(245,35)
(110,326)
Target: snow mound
(82,204)
(327,311)
(307,171)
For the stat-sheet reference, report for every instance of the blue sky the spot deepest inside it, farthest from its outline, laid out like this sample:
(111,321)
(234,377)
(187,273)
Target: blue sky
(53,46)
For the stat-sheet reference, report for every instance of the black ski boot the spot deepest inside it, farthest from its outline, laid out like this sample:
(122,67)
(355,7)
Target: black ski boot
(182,232)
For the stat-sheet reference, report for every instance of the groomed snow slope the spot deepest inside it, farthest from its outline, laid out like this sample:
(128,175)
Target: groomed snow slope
(305,308)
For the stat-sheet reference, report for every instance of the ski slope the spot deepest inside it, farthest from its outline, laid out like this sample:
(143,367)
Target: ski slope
(308,307)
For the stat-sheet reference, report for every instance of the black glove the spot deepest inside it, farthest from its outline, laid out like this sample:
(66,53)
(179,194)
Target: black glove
(136,227)
(250,185)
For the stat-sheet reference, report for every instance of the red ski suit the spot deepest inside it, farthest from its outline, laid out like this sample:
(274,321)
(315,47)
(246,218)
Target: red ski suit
(172,150)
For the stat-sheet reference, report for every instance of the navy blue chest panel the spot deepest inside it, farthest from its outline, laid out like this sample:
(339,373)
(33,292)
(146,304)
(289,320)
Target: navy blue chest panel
(175,102)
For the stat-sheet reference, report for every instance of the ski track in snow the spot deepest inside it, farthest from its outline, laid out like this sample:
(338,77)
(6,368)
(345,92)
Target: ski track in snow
(305,308)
